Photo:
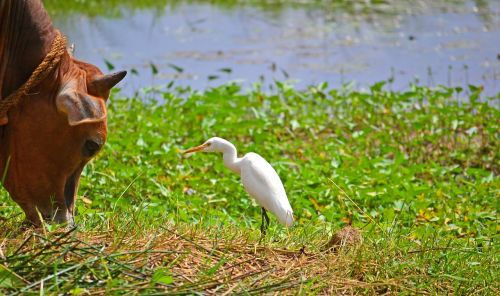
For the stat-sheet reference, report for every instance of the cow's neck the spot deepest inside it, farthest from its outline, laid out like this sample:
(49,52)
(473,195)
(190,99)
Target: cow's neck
(3,158)
(26,35)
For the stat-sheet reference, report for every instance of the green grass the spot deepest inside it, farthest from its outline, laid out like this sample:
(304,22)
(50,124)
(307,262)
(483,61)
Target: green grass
(417,171)
(272,8)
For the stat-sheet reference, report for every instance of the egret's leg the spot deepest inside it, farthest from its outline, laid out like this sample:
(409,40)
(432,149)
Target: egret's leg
(266,217)
(265,222)
(262,224)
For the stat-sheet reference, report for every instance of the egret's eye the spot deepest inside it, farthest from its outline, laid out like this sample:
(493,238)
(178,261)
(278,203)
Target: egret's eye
(90,148)
(209,143)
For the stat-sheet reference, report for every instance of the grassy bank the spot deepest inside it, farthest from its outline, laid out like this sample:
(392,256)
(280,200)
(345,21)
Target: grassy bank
(353,8)
(417,171)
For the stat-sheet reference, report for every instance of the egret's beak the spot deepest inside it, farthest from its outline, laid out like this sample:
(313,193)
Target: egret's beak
(196,149)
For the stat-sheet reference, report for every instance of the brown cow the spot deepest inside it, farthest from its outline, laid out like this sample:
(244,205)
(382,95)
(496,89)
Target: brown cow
(49,136)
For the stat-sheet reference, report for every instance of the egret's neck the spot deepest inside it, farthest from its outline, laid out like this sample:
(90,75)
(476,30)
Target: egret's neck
(231,159)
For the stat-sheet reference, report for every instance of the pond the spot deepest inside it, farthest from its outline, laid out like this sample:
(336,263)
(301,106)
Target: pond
(202,44)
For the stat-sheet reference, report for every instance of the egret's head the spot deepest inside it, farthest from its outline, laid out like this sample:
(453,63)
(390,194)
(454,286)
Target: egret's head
(214,144)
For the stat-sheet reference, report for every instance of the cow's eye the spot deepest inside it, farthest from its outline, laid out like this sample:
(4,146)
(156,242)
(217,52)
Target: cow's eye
(90,148)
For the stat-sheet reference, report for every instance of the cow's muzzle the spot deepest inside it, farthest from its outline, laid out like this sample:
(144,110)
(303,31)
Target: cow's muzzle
(70,188)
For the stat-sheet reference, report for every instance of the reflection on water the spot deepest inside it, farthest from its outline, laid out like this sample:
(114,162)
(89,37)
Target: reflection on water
(452,44)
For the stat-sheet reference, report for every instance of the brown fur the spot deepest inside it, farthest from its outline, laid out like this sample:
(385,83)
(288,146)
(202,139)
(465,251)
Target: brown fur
(43,150)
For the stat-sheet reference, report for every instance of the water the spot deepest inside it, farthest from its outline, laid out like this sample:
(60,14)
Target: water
(452,44)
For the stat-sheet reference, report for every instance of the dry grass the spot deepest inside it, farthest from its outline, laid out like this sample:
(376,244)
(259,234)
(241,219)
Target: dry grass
(188,260)
(183,259)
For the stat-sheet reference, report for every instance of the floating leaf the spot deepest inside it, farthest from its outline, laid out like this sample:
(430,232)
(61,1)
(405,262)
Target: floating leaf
(153,68)
(226,70)
(176,68)
(109,65)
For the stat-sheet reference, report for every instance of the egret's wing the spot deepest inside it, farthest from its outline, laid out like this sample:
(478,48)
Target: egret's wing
(263,183)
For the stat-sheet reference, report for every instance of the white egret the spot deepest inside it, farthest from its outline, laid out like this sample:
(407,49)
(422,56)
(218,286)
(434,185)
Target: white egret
(258,177)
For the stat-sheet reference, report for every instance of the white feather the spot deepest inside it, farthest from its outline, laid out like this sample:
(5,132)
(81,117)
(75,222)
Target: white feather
(263,183)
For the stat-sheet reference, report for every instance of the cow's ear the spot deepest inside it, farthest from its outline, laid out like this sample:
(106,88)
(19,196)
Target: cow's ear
(81,108)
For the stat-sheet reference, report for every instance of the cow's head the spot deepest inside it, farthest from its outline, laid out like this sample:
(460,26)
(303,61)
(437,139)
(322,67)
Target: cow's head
(52,134)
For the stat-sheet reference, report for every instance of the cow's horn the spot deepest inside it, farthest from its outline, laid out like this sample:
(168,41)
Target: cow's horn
(104,83)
